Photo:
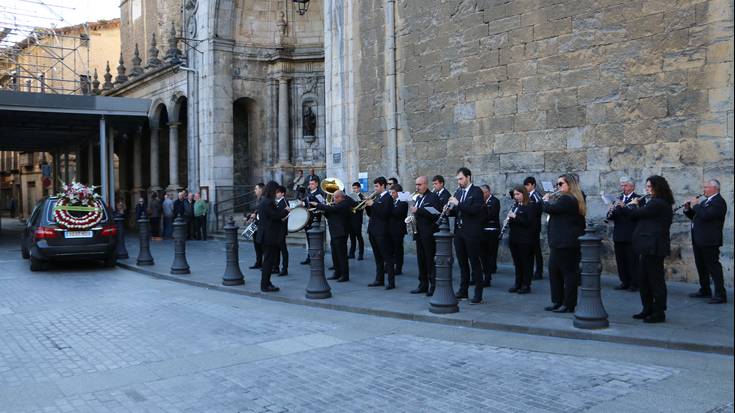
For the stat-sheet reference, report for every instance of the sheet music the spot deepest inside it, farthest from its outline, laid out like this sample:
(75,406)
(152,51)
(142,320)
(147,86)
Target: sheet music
(608,198)
(548,186)
(432,210)
(319,198)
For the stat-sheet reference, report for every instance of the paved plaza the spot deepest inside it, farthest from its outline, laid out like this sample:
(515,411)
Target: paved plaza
(81,338)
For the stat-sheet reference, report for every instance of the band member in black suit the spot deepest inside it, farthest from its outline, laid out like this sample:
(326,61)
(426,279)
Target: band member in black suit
(626,259)
(398,226)
(258,191)
(566,225)
(536,207)
(282,204)
(490,236)
(651,240)
(468,206)
(441,192)
(379,210)
(270,234)
(313,194)
(520,239)
(391,181)
(356,226)
(339,221)
(425,224)
(708,219)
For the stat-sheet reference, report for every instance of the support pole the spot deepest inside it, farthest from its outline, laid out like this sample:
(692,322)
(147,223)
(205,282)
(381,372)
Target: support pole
(104,181)
(111,160)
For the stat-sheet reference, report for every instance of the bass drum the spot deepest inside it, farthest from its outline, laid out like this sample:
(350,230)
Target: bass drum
(298,218)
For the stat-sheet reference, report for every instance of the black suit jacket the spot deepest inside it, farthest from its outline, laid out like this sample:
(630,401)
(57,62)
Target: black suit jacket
(270,224)
(536,211)
(522,229)
(281,206)
(443,198)
(379,214)
(565,226)
(398,219)
(179,208)
(492,215)
(356,218)
(470,214)
(338,217)
(651,235)
(624,224)
(708,219)
(425,221)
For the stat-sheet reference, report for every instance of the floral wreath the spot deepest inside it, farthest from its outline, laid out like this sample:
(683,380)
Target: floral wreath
(78,198)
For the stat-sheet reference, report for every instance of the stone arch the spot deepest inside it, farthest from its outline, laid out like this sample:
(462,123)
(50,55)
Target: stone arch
(244,138)
(159,122)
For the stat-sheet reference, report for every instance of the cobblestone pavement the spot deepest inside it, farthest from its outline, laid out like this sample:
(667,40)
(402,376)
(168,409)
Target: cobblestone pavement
(80,338)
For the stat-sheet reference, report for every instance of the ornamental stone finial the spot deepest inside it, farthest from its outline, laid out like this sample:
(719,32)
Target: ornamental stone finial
(173,53)
(108,78)
(121,77)
(153,59)
(137,70)
(95,83)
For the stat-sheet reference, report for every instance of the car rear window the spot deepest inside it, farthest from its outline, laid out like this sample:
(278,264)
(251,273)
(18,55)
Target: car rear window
(52,203)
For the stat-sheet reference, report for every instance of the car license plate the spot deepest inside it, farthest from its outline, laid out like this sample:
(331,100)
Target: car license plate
(78,234)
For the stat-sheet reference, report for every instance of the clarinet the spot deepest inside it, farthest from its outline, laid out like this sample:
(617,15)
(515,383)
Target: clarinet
(686,203)
(507,220)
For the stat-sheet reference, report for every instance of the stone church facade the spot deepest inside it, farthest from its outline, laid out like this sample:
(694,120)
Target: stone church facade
(511,88)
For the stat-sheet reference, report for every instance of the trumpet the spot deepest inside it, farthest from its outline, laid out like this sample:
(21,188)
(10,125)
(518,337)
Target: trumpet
(686,203)
(363,203)
(507,220)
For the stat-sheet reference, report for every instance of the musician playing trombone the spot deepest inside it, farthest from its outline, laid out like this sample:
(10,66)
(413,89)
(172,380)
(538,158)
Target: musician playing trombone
(521,239)
(626,259)
(425,224)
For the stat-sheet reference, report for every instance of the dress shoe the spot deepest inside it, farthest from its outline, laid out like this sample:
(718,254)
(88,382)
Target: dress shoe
(375,284)
(305,262)
(275,270)
(390,286)
(283,273)
(359,258)
(419,291)
(700,294)
(331,268)
(552,307)
(717,300)
(524,290)
(486,283)
(398,272)
(351,257)
(334,277)
(642,315)
(564,309)
(254,266)
(622,287)
(430,293)
(538,277)
(343,279)
(651,319)
(475,300)
(513,289)
(269,289)
(461,295)
(472,283)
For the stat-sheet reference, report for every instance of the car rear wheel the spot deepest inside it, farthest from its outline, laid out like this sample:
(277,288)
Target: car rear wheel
(36,264)
(110,262)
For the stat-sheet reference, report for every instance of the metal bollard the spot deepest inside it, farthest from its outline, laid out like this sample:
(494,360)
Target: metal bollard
(122,250)
(180,266)
(233,275)
(318,287)
(144,253)
(443,301)
(590,313)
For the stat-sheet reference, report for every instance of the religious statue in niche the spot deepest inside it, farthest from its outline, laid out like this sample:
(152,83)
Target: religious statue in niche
(309,123)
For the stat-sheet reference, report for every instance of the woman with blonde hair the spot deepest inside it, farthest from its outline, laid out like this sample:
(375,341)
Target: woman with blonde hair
(566,224)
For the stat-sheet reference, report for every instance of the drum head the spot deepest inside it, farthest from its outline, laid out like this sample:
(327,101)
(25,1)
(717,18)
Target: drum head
(297,219)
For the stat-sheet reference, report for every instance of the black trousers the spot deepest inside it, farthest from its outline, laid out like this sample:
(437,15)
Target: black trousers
(707,260)
(522,255)
(652,284)
(468,258)
(425,252)
(563,276)
(398,251)
(627,261)
(156,226)
(383,252)
(538,256)
(258,250)
(339,257)
(283,256)
(355,240)
(190,227)
(489,254)
(270,258)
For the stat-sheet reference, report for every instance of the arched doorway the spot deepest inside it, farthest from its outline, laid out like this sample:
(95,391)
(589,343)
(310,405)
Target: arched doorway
(243,124)
(161,120)
(181,117)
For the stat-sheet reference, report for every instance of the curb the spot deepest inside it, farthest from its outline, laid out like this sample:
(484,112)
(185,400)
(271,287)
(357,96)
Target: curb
(538,331)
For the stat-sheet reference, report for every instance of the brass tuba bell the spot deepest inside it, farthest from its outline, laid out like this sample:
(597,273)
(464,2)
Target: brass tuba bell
(330,186)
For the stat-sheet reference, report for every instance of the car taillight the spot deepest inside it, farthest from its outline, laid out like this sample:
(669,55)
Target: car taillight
(45,233)
(109,231)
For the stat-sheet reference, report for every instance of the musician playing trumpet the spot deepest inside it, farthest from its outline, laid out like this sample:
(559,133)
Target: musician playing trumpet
(521,240)
(626,259)
(425,224)
(339,215)
(379,210)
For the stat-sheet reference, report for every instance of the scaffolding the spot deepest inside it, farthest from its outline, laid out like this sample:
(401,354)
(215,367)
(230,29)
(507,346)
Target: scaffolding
(40,52)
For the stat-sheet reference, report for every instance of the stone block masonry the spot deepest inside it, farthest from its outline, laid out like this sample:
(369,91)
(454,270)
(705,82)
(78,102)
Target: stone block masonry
(602,88)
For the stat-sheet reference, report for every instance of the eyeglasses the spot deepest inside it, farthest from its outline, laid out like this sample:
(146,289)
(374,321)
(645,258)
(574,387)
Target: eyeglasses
(560,183)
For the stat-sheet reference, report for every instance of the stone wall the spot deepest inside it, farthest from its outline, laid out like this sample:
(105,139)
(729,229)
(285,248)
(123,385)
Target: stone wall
(512,88)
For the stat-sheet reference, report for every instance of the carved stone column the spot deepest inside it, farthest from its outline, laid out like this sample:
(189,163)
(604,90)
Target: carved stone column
(155,184)
(283,121)
(173,156)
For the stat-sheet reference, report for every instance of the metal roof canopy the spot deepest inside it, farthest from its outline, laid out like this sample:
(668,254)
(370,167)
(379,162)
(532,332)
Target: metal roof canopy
(42,122)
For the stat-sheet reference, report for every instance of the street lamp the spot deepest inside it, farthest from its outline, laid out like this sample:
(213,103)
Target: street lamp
(303,6)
